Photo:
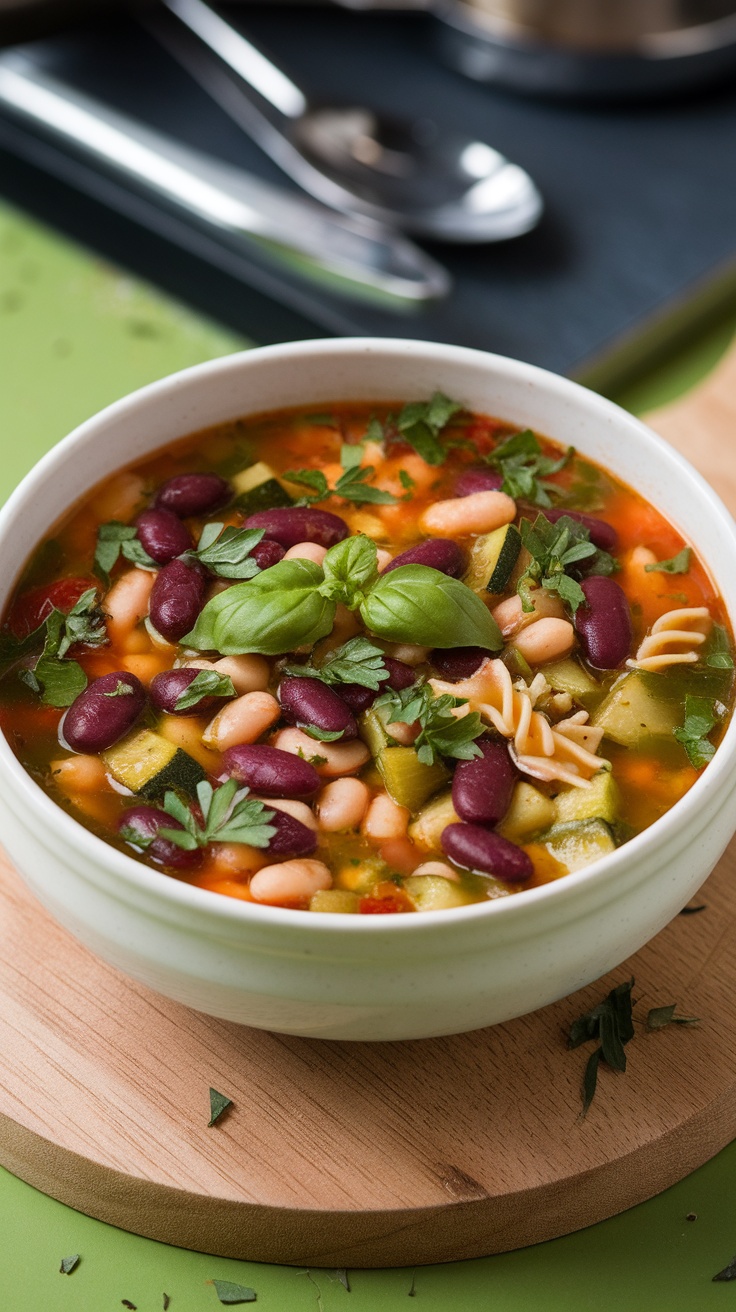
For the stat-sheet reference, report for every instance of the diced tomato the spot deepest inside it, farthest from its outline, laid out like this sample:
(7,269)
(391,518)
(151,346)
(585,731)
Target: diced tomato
(386,899)
(33,607)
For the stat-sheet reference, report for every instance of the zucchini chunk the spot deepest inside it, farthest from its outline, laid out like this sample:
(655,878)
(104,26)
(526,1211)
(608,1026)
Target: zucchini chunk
(335,900)
(408,780)
(570,677)
(530,813)
(258,488)
(426,830)
(492,559)
(148,764)
(434,893)
(599,802)
(634,711)
(580,843)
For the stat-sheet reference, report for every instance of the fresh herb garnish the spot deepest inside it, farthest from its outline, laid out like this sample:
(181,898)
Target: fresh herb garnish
(351,454)
(207,683)
(678,564)
(421,424)
(120,690)
(702,714)
(659,1017)
(227,1292)
(68,1264)
(115,539)
(728,1272)
(219,1103)
(357,661)
(293,604)
(60,681)
(525,469)
(554,548)
(442,733)
(353,485)
(718,651)
(612,1024)
(229,815)
(587,491)
(408,484)
(322,735)
(226,552)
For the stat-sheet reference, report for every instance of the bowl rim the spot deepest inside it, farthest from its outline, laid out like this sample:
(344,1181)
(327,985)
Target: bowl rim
(219,908)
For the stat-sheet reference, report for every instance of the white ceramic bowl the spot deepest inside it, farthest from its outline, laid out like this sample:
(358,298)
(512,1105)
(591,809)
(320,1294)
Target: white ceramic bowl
(352,977)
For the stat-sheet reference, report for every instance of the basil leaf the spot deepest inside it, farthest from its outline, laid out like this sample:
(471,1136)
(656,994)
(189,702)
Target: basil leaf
(313,479)
(678,564)
(701,716)
(278,610)
(420,605)
(350,567)
(208,683)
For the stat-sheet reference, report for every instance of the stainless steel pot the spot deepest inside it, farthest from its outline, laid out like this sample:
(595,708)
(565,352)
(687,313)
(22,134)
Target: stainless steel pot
(591,48)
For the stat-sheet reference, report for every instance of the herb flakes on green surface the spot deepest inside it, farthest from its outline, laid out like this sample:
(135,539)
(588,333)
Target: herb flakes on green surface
(219,1103)
(728,1272)
(69,1264)
(228,1292)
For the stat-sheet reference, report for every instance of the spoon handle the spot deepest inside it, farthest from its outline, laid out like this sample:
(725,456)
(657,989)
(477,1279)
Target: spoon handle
(283,100)
(357,257)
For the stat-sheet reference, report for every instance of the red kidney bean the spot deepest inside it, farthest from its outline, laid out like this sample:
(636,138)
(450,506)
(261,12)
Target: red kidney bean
(455,663)
(106,710)
(603,624)
(267,553)
(477,480)
(603,535)
(162,534)
(270,771)
(482,788)
(438,553)
(311,703)
(474,848)
(400,675)
(146,821)
(193,494)
(359,698)
(177,597)
(290,525)
(292,838)
(166,688)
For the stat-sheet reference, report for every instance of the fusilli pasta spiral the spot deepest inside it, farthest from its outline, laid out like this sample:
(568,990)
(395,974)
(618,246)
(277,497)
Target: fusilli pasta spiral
(674,639)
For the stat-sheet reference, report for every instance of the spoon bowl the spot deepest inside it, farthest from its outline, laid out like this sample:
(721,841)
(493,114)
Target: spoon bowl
(411,174)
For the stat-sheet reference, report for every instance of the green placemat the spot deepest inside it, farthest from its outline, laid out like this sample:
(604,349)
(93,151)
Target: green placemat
(75,335)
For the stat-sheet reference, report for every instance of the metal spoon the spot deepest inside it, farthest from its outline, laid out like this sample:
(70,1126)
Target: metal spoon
(409,173)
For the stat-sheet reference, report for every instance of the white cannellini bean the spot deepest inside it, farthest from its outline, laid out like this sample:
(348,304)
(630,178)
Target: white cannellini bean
(481,512)
(547,640)
(79,774)
(299,810)
(248,673)
(406,734)
(126,604)
(408,652)
(289,882)
(237,858)
(383,558)
(385,819)
(510,615)
(307,551)
(437,868)
(342,804)
(242,721)
(339,758)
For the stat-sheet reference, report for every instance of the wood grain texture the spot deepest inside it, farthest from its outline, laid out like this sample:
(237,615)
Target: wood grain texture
(339,1154)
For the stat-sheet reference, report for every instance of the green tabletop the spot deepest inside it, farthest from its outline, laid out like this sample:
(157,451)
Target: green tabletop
(74,335)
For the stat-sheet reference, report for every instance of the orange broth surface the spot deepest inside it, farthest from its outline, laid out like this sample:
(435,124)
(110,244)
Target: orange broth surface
(369,874)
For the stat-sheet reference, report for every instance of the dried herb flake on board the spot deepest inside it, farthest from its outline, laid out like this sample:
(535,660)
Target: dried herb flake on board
(219,1103)
(230,1293)
(659,1017)
(68,1264)
(728,1272)
(611,1022)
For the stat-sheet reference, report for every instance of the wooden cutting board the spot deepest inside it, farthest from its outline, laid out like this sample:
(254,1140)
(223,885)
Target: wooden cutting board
(339,1154)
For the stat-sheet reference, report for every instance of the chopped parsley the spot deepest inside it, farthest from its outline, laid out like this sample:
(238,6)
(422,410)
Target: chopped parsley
(441,732)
